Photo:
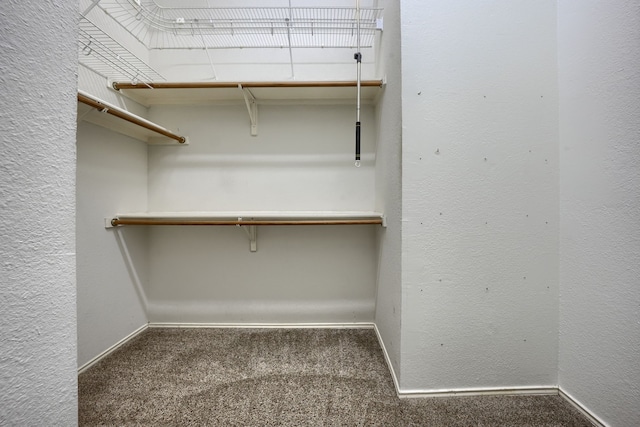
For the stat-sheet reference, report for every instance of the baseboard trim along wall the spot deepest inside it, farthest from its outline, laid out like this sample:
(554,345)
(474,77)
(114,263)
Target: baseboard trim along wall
(360,325)
(113,348)
(506,391)
(580,407)
(387,359)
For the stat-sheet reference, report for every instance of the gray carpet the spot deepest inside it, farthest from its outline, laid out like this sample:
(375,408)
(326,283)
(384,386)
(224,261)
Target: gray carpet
(280,377)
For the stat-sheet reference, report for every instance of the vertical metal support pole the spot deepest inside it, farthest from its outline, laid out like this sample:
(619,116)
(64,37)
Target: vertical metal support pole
(358,58)
(288,21)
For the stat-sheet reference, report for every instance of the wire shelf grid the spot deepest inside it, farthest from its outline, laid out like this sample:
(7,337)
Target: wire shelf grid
(257,27)
(108,58)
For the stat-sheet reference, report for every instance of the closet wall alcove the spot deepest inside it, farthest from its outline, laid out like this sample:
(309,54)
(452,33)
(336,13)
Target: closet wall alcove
(216,176)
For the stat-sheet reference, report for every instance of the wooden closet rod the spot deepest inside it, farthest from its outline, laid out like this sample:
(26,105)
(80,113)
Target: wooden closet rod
(125,115)
(134,221)
(221,85)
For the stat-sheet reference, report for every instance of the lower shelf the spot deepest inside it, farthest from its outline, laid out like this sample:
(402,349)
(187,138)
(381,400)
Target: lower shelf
(247,220)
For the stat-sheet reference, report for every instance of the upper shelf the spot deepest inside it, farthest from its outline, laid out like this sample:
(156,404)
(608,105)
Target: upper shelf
(163,27)
(207,92)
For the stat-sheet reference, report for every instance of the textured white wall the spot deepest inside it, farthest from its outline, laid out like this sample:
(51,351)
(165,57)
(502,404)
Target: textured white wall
(480,194)
(263,64)
(111,178)
(37,251)
(389,188)
(599,79)
(299,274)
(301,160)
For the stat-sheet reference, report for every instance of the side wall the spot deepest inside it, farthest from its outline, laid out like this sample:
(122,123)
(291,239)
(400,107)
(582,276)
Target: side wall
(388,180)
(112,264)
(480,195)
(37,204)
(600,207)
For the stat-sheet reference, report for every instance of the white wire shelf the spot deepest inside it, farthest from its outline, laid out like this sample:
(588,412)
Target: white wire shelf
(108,58)
(159,27)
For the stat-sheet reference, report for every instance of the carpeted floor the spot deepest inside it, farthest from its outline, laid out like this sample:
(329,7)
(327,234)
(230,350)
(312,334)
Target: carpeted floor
(280,377)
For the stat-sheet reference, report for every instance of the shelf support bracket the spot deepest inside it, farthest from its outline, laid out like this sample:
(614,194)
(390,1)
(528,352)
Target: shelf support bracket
(252,108)
(252,233)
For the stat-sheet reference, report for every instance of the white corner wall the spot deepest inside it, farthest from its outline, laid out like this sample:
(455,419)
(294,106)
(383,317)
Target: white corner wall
(112,264)
(480,195)
(599,59)
(37,281)
(388,181)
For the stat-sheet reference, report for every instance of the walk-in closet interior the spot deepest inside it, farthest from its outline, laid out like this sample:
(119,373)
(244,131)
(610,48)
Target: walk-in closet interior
(259,121)
(452,174)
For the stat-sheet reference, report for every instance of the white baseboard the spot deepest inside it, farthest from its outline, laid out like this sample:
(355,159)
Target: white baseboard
(111,349)
(483,391)
(387,359)
(580,407)
(359,325)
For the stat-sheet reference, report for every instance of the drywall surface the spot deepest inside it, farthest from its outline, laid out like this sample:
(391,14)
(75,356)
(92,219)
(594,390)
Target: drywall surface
(37,250)
(389,189)
(111,263)
(304,64)
(301,160)
(314,274)
(600,207)
(480,195)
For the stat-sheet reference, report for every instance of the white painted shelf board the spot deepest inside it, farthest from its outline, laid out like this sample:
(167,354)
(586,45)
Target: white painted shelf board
(267,215)
(248,220)
(91,115)
(279,93)
(99,112)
